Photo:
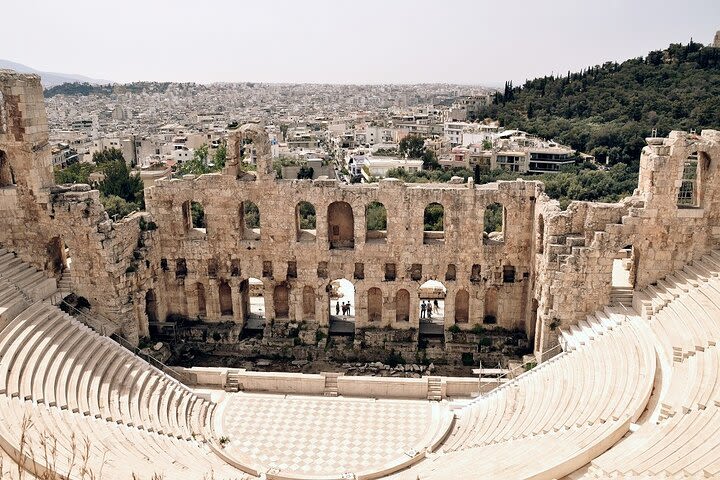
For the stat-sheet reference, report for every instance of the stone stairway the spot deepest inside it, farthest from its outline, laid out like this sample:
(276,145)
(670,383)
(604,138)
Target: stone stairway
(233,382)
(434,389)
(621,296)
(331,384)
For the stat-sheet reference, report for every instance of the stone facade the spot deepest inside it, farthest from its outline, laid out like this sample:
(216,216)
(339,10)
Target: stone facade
(548,268)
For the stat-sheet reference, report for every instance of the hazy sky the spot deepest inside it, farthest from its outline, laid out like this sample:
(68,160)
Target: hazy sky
(337,41)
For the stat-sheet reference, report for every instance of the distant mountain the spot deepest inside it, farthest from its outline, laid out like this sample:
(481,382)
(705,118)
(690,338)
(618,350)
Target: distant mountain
(50,79)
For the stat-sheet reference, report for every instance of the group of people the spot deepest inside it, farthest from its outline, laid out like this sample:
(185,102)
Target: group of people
(344,306)
(426,308)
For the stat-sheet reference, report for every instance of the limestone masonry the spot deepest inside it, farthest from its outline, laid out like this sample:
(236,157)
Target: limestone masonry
(547,270)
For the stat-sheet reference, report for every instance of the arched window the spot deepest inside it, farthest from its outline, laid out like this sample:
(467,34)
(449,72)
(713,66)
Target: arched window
(249,216)
(341,225)
(402,306)
(281,300)
(375,223)
(305,219)
(374,299)
(194,216)
(494,224)
(462,303)
(7,176)
(541,235)
(226,303)
(690,193)
(434,224)
(308,303)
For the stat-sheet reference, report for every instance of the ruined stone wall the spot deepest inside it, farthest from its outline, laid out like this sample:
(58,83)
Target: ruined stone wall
(40,219)
(226,252)
(574,270)
(549,269)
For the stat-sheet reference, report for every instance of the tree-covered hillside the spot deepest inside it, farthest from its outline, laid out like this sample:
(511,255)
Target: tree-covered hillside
(609,109)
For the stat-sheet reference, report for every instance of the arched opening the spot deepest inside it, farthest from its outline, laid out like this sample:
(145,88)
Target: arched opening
(249,220)
(689,190)
(253,305)
(201,303)
(624,272)
(151,306)
(462,306)
(491,306)
(341,225)
(375,223)
(434,224)
(56,256)
(432,302)
(194,216)
(225,294)
(402,306)
(494,224)
(540,235)
(7,176)
(281,300)
(305,222)
(375,302)
(341,306)
(308,303)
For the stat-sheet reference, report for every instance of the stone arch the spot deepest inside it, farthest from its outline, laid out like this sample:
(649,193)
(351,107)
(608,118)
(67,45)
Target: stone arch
(305,222)
(494,224)
(201,300)
(491,306)
(462,306)
(402,306)
(375,222)
(249,220)
(225,296)
(432,294)
(341,225)
(151,306)
(281,300)
(375,301)
(7,175)
(434,223)
(56,257)
(308,303)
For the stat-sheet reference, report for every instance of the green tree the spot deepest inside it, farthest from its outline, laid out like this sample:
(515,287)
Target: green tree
(376,216)
(197,213)
(117,207)
(220,156)
(107,156)
(412,146)
(75,173)
(121,183)
(434,217)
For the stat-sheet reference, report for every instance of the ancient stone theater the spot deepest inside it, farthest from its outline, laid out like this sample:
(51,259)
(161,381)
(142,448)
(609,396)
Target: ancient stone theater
(618,302)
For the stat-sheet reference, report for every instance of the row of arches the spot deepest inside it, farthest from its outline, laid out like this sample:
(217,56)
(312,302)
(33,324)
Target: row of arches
(252,292)
(341,222)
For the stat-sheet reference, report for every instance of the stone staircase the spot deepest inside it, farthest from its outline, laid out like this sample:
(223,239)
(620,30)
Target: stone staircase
(331,384)
(621,296)
(434,389)
(233,382)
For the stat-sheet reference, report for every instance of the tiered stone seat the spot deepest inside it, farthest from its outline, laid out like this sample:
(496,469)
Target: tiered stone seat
(608,378)
(549,455)
(48,357)
(103,449)
(685,445)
